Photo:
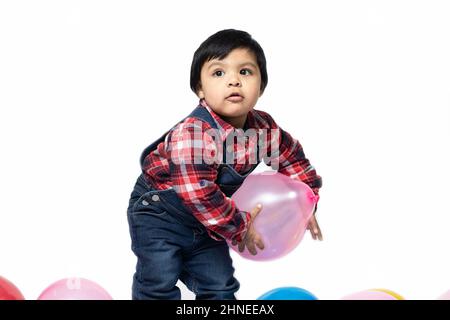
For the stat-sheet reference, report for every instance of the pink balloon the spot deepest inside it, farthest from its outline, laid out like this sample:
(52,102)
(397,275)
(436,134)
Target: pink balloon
(74,289)
(288,205)
(369,295)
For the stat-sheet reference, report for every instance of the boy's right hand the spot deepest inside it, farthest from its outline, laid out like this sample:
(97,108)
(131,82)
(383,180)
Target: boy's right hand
(251,237)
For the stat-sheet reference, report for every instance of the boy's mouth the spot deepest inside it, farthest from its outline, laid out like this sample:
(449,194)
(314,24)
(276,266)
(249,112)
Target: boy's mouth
(235,97)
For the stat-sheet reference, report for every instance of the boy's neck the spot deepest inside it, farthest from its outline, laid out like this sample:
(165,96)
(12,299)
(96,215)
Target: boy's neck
(236,122)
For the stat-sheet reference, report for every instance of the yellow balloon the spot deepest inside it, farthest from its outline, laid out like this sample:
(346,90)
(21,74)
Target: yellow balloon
(390,292)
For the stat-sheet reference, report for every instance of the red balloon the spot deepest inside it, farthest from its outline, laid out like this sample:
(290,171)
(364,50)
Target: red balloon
(9,291)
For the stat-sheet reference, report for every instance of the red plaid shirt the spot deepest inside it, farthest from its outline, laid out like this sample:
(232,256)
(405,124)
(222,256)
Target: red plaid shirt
(195,183)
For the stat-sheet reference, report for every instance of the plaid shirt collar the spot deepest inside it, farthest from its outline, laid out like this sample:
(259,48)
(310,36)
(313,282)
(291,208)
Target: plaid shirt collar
(226,129)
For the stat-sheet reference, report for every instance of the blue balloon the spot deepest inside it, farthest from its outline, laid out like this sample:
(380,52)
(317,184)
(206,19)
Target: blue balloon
(288,293)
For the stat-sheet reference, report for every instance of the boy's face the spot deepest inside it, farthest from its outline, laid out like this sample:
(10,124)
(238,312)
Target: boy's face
(237,73)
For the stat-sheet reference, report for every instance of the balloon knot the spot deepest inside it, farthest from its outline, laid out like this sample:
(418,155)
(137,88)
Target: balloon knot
(314,198)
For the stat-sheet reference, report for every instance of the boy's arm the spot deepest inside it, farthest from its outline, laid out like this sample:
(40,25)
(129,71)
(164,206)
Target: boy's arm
(289,159)
(294,163)
(194,182)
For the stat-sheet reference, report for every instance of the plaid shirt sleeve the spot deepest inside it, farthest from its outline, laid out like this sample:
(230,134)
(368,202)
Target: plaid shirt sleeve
(290,157)
(194,181)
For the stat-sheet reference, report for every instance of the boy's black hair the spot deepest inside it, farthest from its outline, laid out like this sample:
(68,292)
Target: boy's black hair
(219,45)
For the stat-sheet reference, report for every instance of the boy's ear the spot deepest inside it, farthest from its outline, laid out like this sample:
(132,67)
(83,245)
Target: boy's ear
(200,93)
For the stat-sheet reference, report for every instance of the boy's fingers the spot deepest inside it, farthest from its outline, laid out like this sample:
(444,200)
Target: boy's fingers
(234,242)
(251,248)
(260,244)
(316,229)
(256,210)
(319,235)
(241,246)
(313,226)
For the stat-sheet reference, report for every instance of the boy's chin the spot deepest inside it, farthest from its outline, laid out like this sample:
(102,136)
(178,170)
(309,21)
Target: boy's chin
(233,114)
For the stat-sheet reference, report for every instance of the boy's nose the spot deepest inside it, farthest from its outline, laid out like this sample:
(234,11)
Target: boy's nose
(233,79)
(234,83)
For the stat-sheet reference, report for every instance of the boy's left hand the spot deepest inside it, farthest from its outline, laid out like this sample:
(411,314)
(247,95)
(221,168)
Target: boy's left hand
(313,226)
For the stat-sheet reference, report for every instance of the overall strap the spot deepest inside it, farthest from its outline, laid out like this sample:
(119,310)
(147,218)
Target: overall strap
(202,113)
(199,112)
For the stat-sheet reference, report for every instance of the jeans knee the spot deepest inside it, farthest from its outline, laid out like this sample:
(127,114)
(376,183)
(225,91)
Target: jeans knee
(225,292)
(154,291)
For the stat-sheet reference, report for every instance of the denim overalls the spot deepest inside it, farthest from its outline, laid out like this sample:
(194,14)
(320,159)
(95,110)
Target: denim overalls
(171,244)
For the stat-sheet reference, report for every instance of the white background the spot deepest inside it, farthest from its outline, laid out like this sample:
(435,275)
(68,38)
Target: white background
(363,85)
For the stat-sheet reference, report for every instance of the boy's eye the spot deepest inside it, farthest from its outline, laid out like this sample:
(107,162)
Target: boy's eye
(244,70)
(218,73)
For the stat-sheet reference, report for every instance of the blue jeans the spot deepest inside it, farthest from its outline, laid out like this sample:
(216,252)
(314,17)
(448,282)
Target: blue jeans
(171,245)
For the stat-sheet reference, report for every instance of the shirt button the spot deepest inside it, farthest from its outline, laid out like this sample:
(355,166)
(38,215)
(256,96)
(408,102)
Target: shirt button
(144,202)
(155,197)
